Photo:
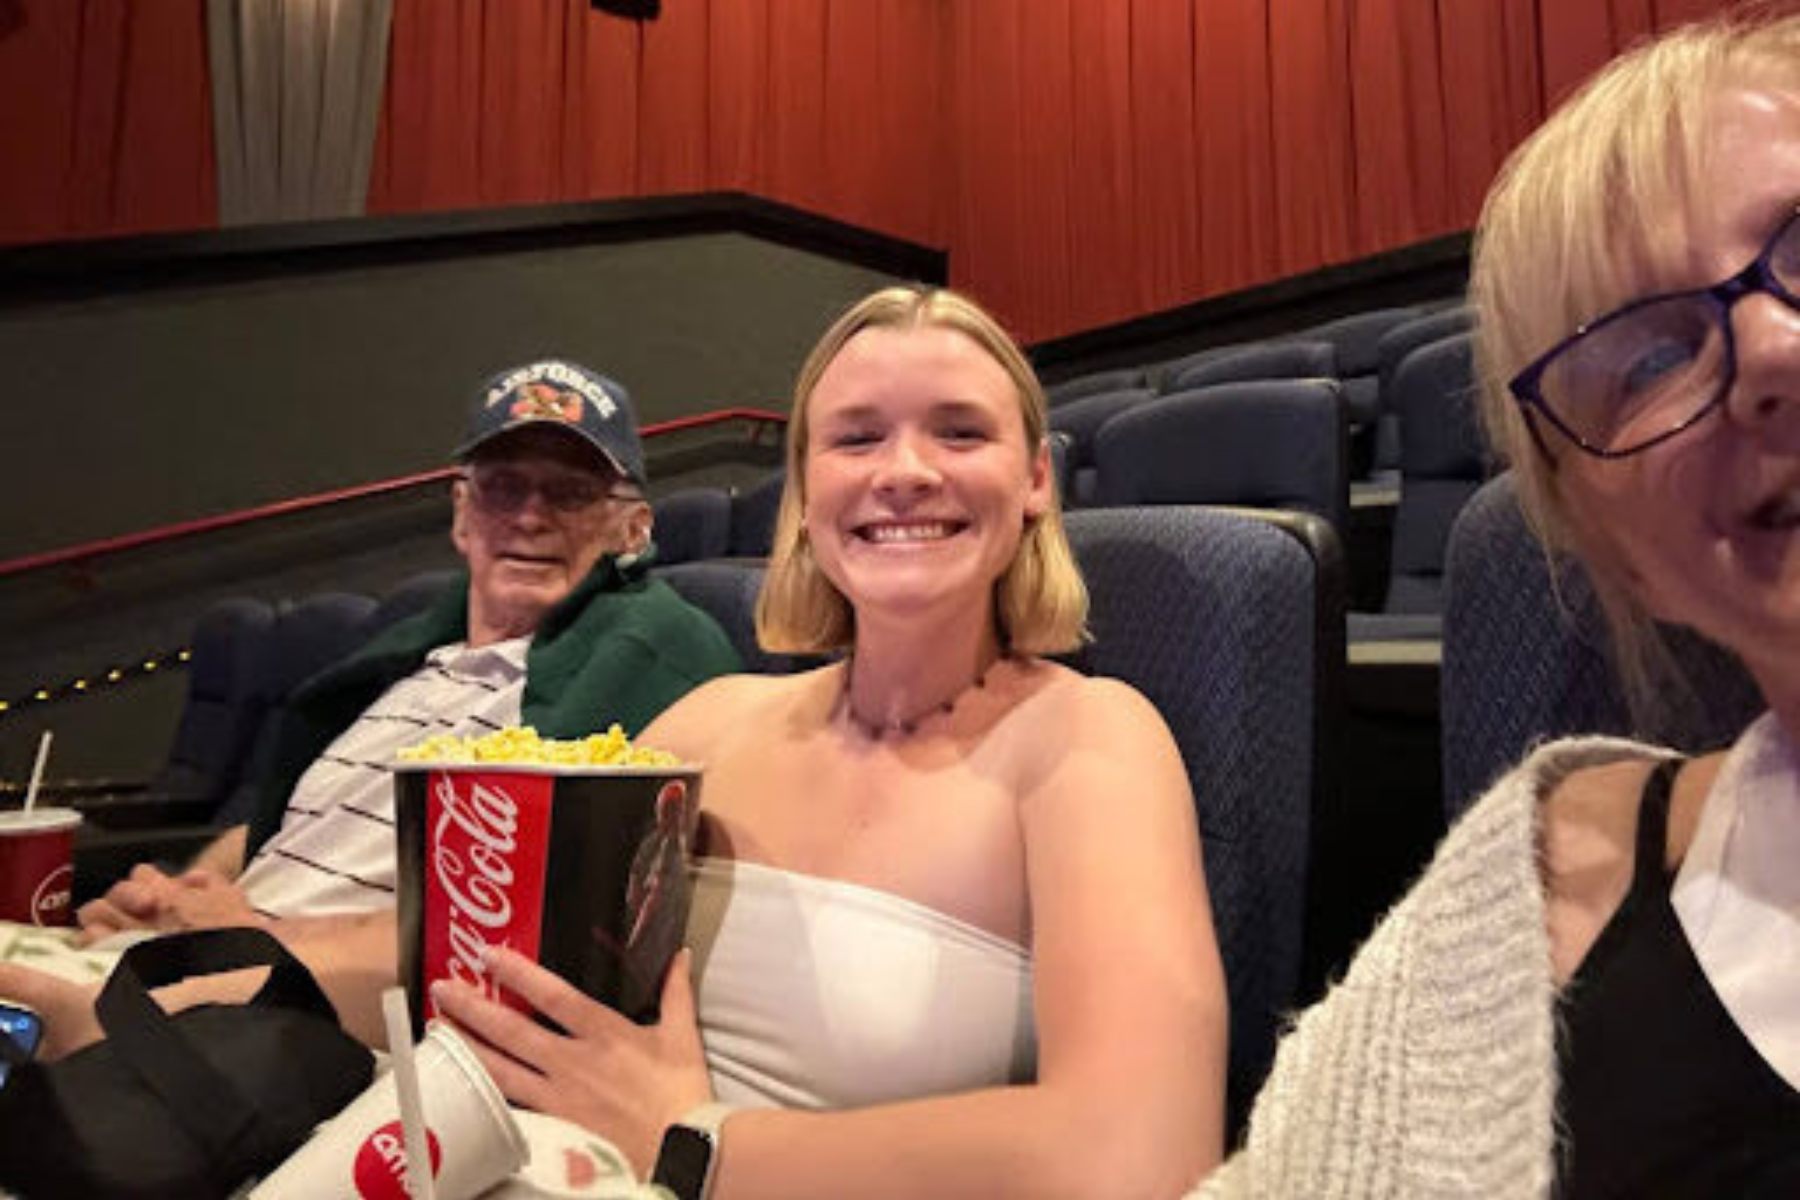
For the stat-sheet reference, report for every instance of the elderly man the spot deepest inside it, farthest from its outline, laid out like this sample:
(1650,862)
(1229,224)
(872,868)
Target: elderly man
(556,627)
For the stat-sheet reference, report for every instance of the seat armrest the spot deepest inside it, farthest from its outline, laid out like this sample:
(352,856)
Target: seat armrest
(64,791)
(143,810)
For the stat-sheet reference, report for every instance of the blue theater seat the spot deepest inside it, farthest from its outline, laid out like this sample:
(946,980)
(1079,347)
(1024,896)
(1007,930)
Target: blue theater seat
(1212,616)
(309,635)
(1356,338)
(223,703)
(1123,379)
(267,651)
(753,513)
(1081,420)
(1260,360)
(1443,461)
(693,524)
(1390,352)
(1527,657)
(1266,444)
(726,591)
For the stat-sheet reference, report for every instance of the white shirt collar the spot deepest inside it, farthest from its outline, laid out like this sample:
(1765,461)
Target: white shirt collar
(502,658)
(1738,892)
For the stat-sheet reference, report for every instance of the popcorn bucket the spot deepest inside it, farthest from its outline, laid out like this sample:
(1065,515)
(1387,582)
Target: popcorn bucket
(582,868)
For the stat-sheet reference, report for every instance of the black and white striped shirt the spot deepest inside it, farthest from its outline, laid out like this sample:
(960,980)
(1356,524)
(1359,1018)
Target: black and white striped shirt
(335,849)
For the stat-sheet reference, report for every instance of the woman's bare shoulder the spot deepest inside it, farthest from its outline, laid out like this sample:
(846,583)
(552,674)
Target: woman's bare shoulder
(1097,702)
(1590,809)
(1073,723)
(693,725)
(1588,824)
(1589,844)
(1590,816)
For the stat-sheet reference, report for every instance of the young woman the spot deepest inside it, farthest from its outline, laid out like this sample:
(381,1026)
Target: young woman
(933,951)
(1595,989)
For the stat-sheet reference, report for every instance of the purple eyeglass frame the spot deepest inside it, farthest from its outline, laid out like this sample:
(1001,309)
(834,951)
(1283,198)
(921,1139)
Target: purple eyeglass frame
(1756,277)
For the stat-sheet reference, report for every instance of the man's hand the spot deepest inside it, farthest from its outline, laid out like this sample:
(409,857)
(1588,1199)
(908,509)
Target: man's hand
(149,899)
(138,901)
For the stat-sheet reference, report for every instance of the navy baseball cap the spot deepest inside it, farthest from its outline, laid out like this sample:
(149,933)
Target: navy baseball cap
(559,394)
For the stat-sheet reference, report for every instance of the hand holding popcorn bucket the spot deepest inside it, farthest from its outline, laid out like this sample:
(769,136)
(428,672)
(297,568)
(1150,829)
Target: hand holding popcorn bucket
(574,854)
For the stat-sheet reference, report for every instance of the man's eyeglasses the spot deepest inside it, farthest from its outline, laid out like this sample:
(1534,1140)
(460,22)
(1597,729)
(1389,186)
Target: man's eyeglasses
(1650,370)
(503,491)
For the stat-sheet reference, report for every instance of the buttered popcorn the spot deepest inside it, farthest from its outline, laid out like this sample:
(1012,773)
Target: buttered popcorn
(522,745)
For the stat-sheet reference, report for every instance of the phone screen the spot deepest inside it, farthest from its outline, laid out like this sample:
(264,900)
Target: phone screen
(23,1026)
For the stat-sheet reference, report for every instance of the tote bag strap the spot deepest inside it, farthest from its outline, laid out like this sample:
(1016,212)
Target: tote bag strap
(218,1114)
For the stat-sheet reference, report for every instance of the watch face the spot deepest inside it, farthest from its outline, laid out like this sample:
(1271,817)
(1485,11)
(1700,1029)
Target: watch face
(684,1162)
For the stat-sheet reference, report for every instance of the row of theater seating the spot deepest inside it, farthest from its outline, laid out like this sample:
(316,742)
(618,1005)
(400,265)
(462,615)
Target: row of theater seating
(1361,351)
(1247,442)
(1231,622)
(246,656)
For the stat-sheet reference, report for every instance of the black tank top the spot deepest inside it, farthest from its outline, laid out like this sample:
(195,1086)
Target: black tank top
(1661,1093)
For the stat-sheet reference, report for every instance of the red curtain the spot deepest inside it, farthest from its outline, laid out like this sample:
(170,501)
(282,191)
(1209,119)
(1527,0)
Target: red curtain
(826,104)
(1400,142)
(1193,147)
(1083,162)
(108,120)
(1233,136)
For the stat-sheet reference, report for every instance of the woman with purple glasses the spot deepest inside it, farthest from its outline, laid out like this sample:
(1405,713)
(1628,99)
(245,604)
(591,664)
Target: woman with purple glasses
(1595,989)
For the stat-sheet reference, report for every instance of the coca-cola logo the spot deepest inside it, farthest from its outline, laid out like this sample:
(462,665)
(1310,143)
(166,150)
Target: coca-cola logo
(380,1168)
(475,838)
(51,898)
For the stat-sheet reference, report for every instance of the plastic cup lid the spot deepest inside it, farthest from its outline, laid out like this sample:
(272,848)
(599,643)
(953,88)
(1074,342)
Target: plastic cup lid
(39,820)
(481,1084)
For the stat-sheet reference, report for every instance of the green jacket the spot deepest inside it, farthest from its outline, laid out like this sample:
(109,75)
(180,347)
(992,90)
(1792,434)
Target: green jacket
(621,647)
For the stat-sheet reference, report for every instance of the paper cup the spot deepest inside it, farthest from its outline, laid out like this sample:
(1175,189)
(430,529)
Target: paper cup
(583,869)
(37,866)
(360,1154)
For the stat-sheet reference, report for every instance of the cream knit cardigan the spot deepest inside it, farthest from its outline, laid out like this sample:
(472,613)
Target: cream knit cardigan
(1429,1071)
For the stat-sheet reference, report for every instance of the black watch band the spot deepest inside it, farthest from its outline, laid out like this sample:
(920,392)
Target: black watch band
(690,1152)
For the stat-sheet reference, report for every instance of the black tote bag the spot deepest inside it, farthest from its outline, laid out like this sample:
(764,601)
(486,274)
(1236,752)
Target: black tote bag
(186,1105)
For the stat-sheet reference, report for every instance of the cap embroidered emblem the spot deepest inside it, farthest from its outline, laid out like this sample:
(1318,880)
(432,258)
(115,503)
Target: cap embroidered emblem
(542,402)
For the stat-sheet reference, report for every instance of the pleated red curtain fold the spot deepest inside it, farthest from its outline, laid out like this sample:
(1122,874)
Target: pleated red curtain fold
(1234,141)
(107,119)
(1100,184)
(1400,148)
(832,105)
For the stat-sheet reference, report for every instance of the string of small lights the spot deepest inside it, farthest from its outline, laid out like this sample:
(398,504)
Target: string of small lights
(95,682)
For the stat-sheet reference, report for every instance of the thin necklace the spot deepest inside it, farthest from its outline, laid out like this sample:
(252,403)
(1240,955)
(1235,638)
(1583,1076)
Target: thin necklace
(904,727)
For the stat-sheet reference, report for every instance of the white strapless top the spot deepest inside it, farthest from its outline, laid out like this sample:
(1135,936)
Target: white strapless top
(814,993)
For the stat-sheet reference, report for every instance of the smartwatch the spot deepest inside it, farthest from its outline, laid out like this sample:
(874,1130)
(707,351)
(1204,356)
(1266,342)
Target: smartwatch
(690,1152)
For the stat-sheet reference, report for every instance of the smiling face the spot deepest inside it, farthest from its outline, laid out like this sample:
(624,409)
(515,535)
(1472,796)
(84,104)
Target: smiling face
(526,556)
(1704,530)
(918,480)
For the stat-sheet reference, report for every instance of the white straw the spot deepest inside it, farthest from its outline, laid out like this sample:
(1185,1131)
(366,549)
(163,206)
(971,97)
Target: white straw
(37,771)
(419,1184)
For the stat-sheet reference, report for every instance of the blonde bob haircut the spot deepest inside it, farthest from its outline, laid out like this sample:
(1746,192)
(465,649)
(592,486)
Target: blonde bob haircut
(1587,215)
(1040,602)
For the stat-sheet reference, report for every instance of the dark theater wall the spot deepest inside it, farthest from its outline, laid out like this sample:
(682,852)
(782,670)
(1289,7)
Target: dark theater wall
(1084,161)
